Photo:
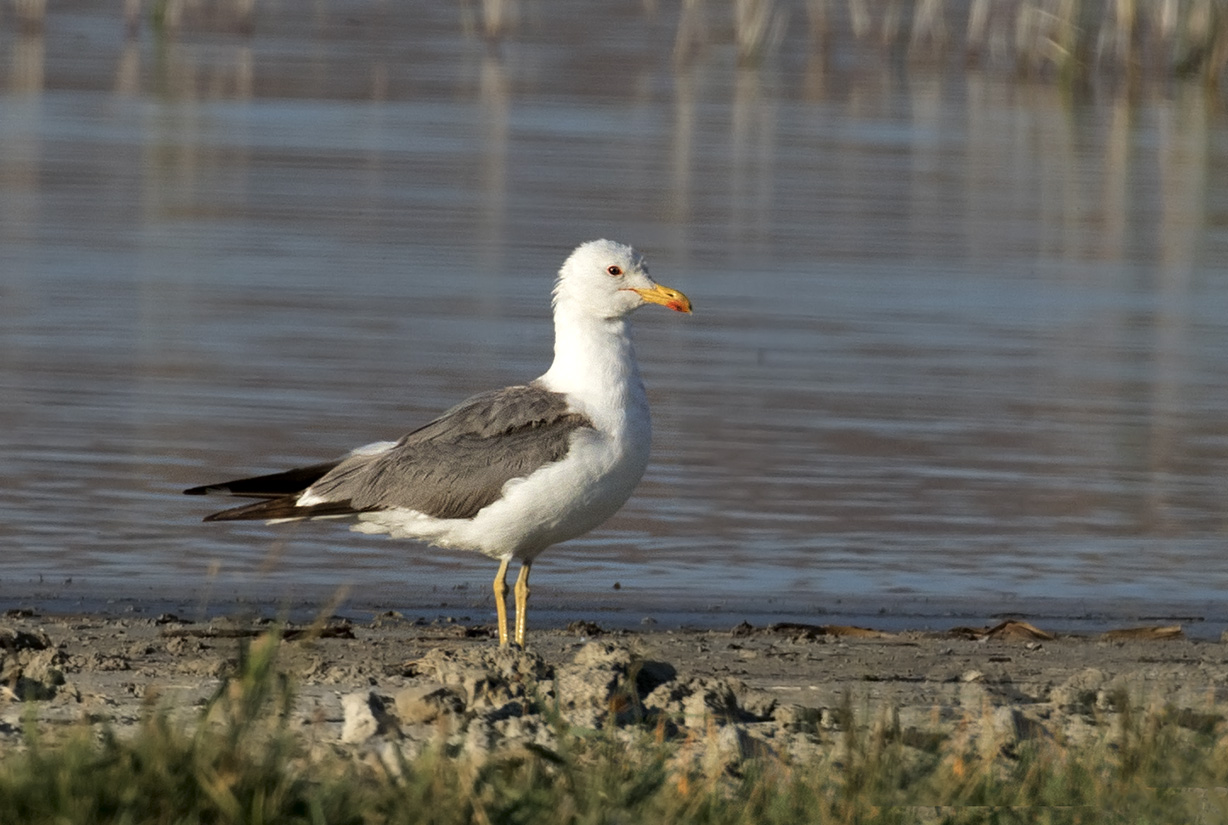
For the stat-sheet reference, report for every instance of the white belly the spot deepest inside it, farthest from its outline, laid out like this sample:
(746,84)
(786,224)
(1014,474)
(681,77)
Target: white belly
(557,502)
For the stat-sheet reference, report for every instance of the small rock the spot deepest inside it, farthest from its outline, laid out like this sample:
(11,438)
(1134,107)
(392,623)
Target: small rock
(98,661)
(139,650)
(487,678)
(485,689)
(479,737)
(757,703)
(364,717)
(46,666)
(603,654)
(712,700)
(183,645)
(973,696)
(426,703)
(798,718)
(581,627)
(1004,727)
(1079,691)
(834,719)
(515,730)
(13,639)
(744,628)
(1111,698)
(596,685)
(729,748)
(733,745)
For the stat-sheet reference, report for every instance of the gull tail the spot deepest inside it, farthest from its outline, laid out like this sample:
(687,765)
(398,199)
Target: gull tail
(281,491)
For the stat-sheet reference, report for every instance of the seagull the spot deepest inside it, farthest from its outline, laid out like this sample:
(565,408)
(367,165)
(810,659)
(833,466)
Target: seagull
(510,472)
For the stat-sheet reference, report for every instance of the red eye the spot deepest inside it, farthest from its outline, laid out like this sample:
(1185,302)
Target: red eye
(616,271)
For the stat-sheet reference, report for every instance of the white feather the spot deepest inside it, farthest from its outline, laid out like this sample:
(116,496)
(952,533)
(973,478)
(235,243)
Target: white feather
(594,367)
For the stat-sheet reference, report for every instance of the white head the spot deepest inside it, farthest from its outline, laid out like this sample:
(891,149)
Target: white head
(607,280)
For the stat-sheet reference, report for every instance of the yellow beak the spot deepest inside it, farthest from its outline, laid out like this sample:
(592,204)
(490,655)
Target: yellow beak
(665,296)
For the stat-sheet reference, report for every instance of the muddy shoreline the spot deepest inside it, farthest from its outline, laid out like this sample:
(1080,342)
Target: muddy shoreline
(784,689)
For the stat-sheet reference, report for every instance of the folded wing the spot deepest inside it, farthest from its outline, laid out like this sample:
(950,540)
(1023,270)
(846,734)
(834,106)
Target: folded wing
(450,468)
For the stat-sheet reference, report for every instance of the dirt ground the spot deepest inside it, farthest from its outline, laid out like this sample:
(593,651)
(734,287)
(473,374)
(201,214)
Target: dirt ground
(782,687)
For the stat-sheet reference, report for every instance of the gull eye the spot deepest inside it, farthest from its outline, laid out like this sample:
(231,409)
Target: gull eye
(614,270)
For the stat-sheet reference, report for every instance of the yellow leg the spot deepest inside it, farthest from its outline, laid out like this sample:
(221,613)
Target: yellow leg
(501,600)
(522,601)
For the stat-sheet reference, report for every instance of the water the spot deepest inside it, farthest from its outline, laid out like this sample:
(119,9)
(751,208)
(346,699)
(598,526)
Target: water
(958,346)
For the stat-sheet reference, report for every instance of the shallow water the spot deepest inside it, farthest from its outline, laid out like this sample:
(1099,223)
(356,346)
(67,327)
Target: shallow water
(958,345)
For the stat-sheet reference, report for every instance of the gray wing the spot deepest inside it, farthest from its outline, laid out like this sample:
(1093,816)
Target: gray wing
(458,464)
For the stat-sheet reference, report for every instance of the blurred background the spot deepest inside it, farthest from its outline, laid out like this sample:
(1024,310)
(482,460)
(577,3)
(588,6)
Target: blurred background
(960,272)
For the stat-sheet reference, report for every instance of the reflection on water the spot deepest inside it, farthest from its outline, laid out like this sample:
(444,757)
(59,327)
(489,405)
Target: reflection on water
(958,338)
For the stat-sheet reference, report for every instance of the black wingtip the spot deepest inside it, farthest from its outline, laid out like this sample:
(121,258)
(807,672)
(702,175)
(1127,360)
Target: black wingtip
(281,509)
(274,485)
(258,510)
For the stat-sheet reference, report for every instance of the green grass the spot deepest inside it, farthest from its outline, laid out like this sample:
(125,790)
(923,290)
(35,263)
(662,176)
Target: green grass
(241,761)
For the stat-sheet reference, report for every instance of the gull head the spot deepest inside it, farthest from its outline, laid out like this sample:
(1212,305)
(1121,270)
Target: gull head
(609,279)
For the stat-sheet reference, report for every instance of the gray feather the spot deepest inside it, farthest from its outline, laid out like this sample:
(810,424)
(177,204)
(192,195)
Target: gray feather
(458,464)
